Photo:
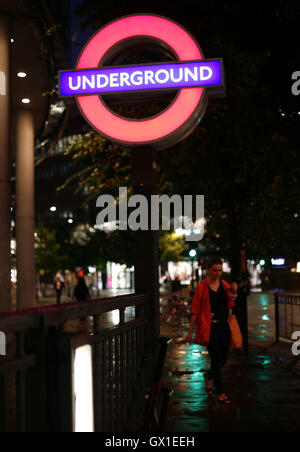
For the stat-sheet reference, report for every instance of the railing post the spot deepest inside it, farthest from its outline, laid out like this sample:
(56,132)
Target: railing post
(96,367)
(21,390)
(36,401)
(276,298)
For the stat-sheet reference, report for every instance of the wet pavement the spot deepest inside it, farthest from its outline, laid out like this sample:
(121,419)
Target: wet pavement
(264,392)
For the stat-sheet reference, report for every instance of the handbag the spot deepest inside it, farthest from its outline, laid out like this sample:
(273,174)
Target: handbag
(236,335)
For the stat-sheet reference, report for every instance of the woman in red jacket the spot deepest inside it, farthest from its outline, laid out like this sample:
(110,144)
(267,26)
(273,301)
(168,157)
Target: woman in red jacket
(211,309)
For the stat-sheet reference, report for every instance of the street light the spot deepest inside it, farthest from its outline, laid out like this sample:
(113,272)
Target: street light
(193,253)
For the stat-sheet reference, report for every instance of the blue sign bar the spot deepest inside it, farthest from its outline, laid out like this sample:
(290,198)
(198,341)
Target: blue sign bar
(191,74)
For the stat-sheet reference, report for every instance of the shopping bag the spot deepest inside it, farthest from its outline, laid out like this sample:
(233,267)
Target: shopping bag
(236,335)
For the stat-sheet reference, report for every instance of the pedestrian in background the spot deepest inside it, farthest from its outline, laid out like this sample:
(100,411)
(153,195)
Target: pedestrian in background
(176,287)
(81,290)
(58,285)
(211,308)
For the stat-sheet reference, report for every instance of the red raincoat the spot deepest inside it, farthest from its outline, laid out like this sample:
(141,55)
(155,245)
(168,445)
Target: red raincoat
(201,308)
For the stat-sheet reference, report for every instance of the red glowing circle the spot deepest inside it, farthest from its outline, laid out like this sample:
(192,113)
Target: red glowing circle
(169,126)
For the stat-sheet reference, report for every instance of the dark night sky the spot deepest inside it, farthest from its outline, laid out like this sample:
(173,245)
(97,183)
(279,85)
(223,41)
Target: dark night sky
(268,25)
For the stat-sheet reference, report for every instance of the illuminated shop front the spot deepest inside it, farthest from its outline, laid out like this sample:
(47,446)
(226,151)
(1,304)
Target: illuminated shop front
(116,276)
(119,276)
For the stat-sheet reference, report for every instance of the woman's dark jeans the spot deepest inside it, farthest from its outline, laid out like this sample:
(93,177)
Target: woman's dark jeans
(218,349)
(58,296)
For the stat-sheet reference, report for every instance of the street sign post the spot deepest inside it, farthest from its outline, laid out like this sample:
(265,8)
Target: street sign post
(99,72)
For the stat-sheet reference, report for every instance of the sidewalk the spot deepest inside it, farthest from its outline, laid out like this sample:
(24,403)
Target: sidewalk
(264,392)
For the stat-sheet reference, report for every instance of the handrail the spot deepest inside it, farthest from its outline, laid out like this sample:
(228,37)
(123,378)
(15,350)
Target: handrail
(287,294)
(24,320)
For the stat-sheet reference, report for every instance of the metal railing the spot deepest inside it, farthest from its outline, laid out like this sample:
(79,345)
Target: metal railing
(158,397)
(287,315)
(37,375)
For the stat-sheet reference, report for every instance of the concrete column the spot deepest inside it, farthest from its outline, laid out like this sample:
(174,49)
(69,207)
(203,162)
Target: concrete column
(26,297)
(5,166)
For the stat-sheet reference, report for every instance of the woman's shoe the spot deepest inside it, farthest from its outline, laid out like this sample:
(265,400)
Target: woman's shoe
(225,401)
(208,384)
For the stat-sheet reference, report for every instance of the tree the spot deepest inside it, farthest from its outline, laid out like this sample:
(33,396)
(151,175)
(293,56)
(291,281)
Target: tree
(93,247)
(171,247)
(103,166)
(48,254)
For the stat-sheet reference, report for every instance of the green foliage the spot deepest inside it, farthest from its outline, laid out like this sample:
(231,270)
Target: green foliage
(48,252)
(102,167)
(171,246)
(53,29)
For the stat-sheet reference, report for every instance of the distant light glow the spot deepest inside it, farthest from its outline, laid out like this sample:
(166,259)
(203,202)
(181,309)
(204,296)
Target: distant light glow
(26,101)
(278,262)
(266,317)
(186,232)
(262,262)
(13,275)
(53,209)
(22,74)
(298,267)
(193,253)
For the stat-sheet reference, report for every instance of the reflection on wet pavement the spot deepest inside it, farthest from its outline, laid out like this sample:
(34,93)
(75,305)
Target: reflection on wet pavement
(265,396)
(261,314)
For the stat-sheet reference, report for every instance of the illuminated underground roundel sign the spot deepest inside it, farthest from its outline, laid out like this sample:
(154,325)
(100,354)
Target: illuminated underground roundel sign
(97,75)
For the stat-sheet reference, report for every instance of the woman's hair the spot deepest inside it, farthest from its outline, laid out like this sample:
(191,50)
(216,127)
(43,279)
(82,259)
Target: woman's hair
(214,261)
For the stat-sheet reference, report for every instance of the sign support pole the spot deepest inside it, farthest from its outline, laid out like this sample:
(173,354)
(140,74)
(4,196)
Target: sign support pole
(144,169)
